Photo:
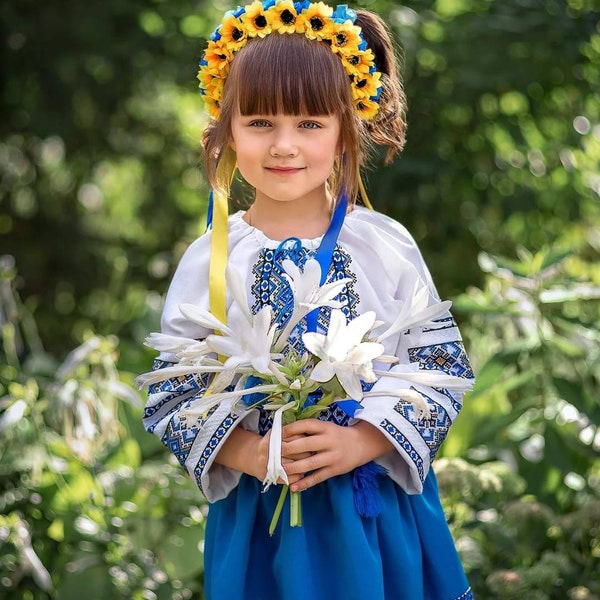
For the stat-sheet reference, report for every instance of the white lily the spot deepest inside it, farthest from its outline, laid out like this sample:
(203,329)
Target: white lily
(415,311)
(208,401)
(177,370)
(308,293)
(202,317)
(275,470)
(343,353)
(187,350)
(247,342)
(407,394)
(429,377)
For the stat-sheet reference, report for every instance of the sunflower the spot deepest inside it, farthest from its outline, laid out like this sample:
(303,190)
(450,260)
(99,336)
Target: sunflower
(366,86)
(346,39)
(210,85)
(217,58)
(284,17)
(316,21)
(255,20)
(214,110)
(359,64)
(367,109)
(233,33)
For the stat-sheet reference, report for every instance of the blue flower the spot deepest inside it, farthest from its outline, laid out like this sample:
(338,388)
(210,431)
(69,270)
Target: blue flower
(342,14)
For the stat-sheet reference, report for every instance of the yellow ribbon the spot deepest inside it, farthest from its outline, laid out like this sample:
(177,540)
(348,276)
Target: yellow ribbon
(217,286)
(363,194)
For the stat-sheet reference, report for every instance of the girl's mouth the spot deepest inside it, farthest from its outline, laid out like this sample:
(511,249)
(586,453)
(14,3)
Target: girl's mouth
(284,170)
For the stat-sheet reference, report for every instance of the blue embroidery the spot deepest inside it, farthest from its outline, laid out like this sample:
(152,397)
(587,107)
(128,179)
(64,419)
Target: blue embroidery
(446,323)
(434,429)
(406,446)
(176,387)
(270,287)
(179,437)
(450,357)
(217,438)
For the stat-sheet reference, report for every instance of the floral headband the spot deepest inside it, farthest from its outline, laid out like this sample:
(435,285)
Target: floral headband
(317,21)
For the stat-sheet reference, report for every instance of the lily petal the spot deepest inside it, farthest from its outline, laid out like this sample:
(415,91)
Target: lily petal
(151,377)
(202,317)
(429,377)
(275,470)
(322,372)
(237,288)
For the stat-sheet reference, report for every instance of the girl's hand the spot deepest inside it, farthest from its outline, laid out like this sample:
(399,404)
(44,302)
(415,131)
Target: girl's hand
(248,452)
(262,458)
(322,450)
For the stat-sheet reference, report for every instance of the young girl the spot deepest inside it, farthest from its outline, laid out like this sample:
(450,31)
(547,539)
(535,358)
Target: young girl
(297,94)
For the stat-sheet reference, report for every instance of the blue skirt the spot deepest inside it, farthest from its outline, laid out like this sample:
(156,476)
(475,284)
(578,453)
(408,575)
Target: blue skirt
(405,553)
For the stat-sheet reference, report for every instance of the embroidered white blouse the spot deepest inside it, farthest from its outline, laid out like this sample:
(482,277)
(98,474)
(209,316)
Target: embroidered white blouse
(383,263)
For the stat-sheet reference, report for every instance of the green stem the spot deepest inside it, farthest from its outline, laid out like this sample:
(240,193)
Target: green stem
(277,512)
(295,510)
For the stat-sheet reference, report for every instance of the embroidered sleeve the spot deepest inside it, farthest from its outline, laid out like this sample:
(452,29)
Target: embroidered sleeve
(415,438)
(193,441)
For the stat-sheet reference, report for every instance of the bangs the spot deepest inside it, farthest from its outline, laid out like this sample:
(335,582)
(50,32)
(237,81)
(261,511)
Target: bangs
(288,74)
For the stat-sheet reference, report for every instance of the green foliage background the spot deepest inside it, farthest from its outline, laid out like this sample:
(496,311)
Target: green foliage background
(101,190)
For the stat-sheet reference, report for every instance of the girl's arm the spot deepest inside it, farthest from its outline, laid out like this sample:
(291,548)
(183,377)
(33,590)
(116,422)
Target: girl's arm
(194,440)
(390,430)
(416,435)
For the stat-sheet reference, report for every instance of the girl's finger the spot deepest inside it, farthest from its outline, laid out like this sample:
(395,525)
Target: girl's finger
(313,463)
(304,445)
(312,479)
(305,427)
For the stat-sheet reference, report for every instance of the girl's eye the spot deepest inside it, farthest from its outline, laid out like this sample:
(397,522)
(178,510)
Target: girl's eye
(259,123)
(310,125)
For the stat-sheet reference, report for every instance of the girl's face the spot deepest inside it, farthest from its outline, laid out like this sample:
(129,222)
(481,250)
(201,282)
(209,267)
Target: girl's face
(286,158)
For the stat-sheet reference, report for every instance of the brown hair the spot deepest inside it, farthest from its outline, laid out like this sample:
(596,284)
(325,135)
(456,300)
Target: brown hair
(291,74)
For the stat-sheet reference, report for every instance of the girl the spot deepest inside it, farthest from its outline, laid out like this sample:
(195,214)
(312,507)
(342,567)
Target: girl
(297,94)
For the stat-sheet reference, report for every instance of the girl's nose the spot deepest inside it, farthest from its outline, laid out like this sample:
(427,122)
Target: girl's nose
(284,145)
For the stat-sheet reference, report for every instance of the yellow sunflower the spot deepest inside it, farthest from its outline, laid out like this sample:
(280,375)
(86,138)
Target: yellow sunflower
(346,38)
(316,21)
(366,86)
(358,65)
(233,33)
(217,57)
(284,17)
(255,20)
(367,109)
(214,110)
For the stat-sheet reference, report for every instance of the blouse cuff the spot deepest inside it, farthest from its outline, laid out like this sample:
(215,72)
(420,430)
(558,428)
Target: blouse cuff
(215,480)
(408,464)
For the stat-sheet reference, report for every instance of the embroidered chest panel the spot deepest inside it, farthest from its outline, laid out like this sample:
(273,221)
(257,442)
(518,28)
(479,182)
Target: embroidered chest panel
(271,287)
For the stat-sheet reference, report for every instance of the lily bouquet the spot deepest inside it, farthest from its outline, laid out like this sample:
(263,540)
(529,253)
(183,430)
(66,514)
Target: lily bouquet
(255,361)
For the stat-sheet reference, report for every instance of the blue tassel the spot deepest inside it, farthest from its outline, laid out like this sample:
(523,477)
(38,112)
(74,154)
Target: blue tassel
(365,483)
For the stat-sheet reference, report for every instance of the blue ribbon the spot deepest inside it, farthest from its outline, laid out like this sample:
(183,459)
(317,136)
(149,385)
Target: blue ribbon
(324,254)
(209,212)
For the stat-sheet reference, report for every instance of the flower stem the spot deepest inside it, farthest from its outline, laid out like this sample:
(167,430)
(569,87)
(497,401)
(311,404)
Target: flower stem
(295,510)
(278,508)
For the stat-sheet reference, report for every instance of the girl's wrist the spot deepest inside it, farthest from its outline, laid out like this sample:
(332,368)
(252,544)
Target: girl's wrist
(241,452)
(371,443)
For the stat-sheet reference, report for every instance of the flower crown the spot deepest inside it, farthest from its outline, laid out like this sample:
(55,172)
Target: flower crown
(317,21)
